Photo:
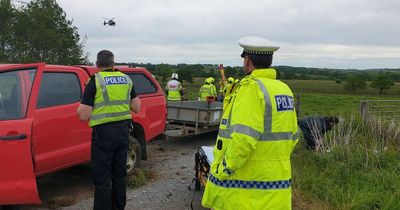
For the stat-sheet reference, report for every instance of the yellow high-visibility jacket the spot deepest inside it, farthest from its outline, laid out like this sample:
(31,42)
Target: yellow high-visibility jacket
(258,131)
(214,90)
(112,99)
(222,88)
(174,89)
(229,92)
(207,90)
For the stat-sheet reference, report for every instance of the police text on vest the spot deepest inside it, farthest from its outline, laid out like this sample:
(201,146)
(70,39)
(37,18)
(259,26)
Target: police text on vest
(284,103)
(115,80)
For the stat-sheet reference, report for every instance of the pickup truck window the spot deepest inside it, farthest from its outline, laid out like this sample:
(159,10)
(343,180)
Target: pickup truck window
(15,88)
(142,84)
(58,89)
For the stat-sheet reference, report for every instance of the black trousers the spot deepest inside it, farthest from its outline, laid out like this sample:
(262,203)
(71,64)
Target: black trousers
(308,136)
(110,142)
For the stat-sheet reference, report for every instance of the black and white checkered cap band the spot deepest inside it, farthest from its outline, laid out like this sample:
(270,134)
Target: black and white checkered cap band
(259,52)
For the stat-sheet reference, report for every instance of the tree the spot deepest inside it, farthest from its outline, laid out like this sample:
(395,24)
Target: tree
(164,71)
(382,82)
(230,72)
(355,83)
(186,74)
(41,33)
(7,22)
(278,74)
(289,75)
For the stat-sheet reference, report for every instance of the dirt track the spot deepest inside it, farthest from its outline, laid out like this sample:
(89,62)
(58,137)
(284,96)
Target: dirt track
(169,162)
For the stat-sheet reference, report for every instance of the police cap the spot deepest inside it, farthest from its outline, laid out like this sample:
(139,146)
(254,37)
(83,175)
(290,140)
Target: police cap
(257,46)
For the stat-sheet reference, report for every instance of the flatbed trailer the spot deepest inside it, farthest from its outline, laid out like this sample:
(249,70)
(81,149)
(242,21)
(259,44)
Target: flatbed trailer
(187,118)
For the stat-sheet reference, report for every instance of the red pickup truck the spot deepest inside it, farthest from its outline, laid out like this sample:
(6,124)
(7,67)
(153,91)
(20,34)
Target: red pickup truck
(40,132)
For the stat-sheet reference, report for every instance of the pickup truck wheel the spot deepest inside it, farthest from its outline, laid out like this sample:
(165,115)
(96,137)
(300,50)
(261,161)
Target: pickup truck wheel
(134,154)
(10,207)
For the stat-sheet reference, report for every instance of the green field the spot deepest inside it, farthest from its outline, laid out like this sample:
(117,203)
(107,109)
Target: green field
(359,167)
(318,96)
(337,104)
(360,174)
(331,87)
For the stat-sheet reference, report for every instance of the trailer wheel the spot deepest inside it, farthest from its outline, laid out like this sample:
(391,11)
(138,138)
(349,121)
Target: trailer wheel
(134,154)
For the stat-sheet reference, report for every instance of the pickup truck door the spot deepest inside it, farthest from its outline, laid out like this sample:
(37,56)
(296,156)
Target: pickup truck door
(17,179)
(60,140)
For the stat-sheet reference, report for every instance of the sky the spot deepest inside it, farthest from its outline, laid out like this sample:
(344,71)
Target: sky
(345,34)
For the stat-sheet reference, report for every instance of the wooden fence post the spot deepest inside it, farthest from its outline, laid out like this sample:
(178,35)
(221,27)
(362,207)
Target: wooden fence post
(364,110)
(298,105)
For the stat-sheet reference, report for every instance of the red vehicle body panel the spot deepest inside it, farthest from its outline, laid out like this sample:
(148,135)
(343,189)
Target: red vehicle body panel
(52,138)
(150,119)
(60,140)
(17,179)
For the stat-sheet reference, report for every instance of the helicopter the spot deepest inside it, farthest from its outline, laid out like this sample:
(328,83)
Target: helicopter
(109,22)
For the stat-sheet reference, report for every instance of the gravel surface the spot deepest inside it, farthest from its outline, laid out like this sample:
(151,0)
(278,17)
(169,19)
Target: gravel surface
(170,164)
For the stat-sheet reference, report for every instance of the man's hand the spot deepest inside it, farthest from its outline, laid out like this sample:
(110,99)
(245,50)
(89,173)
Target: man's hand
(135,105)
(84,111)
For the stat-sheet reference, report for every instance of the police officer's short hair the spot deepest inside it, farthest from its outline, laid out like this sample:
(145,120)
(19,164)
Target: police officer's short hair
(105,58)
(260,61)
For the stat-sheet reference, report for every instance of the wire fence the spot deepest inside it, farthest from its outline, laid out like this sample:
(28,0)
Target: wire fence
(383,110)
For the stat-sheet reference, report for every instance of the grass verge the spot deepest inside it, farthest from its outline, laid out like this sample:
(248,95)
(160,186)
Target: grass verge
(357,168)
(139,177)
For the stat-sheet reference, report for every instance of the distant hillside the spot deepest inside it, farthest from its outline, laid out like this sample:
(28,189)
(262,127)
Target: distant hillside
(284,72)
(290,72)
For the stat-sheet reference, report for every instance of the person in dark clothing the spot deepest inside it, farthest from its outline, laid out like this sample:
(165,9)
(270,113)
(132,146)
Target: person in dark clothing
(314,129)
(107,101)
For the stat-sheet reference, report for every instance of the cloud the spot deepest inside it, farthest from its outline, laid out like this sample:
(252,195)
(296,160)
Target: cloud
(346,34)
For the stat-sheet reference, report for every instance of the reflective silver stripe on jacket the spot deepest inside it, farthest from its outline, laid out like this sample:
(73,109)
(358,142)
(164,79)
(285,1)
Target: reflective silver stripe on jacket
(268,135)
(109,115)
(106,99)
(249,131)
(204,89)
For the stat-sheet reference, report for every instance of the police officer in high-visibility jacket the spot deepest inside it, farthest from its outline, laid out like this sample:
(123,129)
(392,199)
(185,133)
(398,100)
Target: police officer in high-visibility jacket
(229,84)
(214,89)
(174,89)
(107,101)
(208,89)
(232,85)
(257,134)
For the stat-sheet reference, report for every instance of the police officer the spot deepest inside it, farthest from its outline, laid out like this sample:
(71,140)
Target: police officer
(108,98)
(222,89)
(214,89)
(257,133)
(174,89)
(225,86)
(229,84)
(208,89)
